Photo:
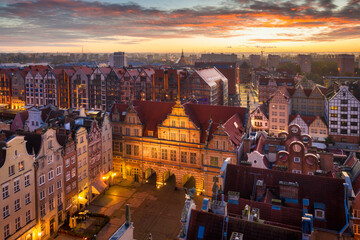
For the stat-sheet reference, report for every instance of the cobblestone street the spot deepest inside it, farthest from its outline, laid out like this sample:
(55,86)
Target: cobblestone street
(155,211)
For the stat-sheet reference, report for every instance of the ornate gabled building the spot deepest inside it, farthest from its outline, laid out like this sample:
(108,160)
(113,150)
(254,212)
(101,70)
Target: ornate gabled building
(143,84)
(114,93)
(49,175)
(17,179)
(291,151)
(79,84)
(308,101)
(260,119)
(342,114)
(97,88)
(279,110)
(187,141)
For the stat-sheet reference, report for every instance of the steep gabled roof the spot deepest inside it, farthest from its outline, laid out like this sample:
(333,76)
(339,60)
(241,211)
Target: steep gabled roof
(151,114)
(201,114)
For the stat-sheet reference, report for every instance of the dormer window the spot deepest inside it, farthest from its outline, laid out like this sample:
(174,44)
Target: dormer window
(150,133)
(319,212)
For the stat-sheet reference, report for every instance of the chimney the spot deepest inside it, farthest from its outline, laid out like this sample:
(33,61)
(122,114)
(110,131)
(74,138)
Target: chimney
(326,161)
(127,215)
(260,189)
(247,147)
(289,190)
(2,137)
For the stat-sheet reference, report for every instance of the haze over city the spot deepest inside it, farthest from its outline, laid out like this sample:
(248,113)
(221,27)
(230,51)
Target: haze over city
(169,26)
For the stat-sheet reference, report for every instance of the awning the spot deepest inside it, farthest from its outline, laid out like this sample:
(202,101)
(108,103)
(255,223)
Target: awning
(98,187)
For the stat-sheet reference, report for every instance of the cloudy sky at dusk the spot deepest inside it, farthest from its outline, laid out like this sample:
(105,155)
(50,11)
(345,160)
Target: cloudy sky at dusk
(170,25)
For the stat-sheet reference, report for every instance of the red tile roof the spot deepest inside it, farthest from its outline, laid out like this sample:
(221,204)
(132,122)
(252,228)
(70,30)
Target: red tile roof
(213,228)
(234,127)
(201,114)
(153,113)
(241,179)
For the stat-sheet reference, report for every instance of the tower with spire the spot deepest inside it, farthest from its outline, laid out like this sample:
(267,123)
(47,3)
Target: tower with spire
(182,60)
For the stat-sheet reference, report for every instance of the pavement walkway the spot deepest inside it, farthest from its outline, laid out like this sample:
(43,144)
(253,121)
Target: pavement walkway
(155,211)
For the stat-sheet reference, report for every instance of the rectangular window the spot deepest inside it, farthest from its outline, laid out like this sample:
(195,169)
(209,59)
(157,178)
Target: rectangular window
(17,224)
(319,214)
(5,191)
(16,185)
(183,157)
(42,210)
(182,124)
(333,122)
(17,205)
(343,131)
(183,137)
(67,175)
(353,116)
(11,170)
(353,131)
(173,155)
(50,159)
(344,116)
(58,170)
(42,194)
(127,131)
(354,109)
(173,123)
(28,217)
(333,130)
(27,180)
(73,172)
(343,109)
(153,153)
(128,149)
(214,161)
(173,136)
(164,154)
(136,132)
(6,211)
(51,189)
(51,175)
(67,161)
(136,151)
(333,115)
(296,171)
(344,101)
(27,199)
(193,158)
(73,159)
(6,231)
(51,204)
(296,159)
(334,107)
(21,166)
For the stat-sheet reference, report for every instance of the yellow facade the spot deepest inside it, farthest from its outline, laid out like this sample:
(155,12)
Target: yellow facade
(175,149)
(17,179)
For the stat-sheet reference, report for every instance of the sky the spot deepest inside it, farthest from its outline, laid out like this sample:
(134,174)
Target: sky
(172,25)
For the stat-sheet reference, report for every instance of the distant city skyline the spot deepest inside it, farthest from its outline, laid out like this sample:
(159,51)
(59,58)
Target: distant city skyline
(169,26)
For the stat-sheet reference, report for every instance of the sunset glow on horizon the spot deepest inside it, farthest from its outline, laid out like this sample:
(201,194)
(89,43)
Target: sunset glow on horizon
(169,26)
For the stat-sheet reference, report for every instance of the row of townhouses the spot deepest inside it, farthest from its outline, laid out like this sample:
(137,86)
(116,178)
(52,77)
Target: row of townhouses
(320,112)
(99,88)
(53,164)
